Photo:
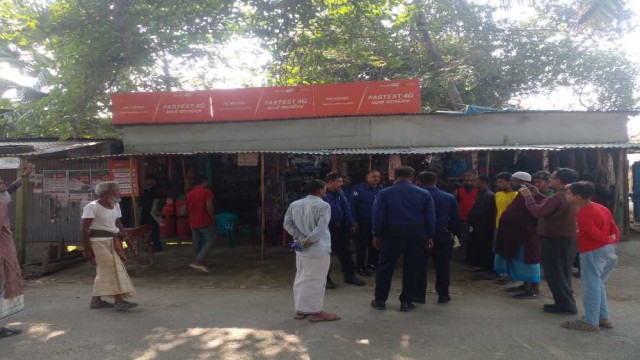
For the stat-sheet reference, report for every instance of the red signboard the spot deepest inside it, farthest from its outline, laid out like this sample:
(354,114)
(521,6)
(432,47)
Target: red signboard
(253,104)
(125,175)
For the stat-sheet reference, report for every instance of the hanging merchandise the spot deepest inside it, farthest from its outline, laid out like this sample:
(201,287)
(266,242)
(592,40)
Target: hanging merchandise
(394,162)
(248,159)
(545,160)
(610,174)
(474,161)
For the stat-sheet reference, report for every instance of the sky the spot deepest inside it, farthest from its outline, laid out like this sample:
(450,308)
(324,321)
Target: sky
(248,60)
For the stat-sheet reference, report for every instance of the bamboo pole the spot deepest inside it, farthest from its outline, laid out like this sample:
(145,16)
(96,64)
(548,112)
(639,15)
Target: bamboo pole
(23,196)
(488,162)
(370,162)
(263,219)
(134,201)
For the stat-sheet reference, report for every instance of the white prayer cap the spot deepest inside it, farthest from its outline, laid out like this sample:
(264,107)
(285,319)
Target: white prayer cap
(521,175)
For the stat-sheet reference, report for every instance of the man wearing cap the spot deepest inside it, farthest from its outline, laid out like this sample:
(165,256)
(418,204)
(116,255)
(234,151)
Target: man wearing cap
(558,229)
(517,243)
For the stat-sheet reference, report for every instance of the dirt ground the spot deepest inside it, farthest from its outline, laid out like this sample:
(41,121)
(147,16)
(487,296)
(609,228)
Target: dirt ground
(243,310)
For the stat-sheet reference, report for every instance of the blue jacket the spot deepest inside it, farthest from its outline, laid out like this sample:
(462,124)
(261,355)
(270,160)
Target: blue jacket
(403,204)
(446,207)
(362,197)
(340,209)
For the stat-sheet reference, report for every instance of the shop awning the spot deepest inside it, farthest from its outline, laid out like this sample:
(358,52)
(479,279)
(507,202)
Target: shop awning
(379,151)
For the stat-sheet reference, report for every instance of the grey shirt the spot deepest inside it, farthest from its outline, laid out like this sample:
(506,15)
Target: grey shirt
(308,219)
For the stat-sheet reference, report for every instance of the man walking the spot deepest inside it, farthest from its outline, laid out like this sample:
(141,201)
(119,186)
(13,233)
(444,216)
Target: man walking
(597,239)
(102,231)
(11,284)
(447,225)
(307,221)
(557,229)
(466,194)
(202,222)
(403,224)
(481,220)
(362,197)
(340,226)
(148,200)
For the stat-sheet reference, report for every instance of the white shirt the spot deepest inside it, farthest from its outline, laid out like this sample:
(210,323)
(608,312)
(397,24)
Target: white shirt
(103,218)
(308,219)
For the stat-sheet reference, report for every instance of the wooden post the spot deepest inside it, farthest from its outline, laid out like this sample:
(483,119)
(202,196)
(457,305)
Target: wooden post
(263,220)
(370,162)
(184,176)
(488,162)
(545,160)
(134,200)
(335,159)
(23,195)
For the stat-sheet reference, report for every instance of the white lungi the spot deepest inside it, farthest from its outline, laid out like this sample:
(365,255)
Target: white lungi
(310,282)
(111,275)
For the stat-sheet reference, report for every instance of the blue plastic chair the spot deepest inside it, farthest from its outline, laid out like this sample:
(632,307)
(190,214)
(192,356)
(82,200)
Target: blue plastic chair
(226,223)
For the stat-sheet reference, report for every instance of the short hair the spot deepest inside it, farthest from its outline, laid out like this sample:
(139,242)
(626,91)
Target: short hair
(542,175)
(333,176)
(484,178)
(314,185)
(374,171)
(504,176)
(427,178)
(199,179)
(566,175)
(584,189)
(151,177)
(404,172)
(105,186)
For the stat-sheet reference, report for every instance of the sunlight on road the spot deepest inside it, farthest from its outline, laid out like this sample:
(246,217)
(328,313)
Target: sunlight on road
(239,343)
(44,332)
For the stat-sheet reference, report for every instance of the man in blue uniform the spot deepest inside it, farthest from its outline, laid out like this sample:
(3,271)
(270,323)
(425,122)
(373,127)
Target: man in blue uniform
(340,226)
(362,197)
(447,225)
(403,224)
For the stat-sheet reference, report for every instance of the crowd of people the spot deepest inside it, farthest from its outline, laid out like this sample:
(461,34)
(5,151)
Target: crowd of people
(530,224)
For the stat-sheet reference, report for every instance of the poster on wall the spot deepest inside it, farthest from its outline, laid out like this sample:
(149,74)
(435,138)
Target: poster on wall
(79,185)
(125,176)
(98,176)
(54,183)
(248,159)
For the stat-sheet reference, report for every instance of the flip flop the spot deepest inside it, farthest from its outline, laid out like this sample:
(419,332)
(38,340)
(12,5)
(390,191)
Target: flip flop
(101,305)
(6,332)
(580,325)
(324,316)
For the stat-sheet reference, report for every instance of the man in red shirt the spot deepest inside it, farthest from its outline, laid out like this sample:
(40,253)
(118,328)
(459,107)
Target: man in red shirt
(202,222)
(466,195)
(597,239)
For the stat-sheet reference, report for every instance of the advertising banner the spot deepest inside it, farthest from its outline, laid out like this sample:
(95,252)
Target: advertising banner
(268,103)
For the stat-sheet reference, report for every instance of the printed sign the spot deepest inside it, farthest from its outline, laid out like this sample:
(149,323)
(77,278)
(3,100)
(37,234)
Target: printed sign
(268,103)
(125,177)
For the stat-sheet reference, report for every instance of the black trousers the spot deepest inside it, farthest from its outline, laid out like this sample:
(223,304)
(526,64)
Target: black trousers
(364,245)
(408,241)
(557,258)
(441,254)
(480,252)
(155,231)
(340,247)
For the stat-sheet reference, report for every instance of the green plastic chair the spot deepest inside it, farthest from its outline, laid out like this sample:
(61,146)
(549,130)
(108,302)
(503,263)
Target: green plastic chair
(226,223)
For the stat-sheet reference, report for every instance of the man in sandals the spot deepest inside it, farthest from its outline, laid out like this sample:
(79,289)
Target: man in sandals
(11,286)
(101,232)
(597,239)
(307,221)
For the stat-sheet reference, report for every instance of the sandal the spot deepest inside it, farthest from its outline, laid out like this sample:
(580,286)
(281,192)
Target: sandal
(6,332)
(605,324)
(515,289)
(301,316)
(324,316)
(101,305)
(580,325)
(125,306)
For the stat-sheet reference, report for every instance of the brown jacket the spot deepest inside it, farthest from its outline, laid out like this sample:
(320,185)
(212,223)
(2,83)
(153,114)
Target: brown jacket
(556,216)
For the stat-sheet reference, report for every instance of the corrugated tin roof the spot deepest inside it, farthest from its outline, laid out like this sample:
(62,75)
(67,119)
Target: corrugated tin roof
(381,151)
(36,148)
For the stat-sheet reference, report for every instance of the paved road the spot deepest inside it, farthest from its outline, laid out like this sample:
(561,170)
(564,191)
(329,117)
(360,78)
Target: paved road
(188,321)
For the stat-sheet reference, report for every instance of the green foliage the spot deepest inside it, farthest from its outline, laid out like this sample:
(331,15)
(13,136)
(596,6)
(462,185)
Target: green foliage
(81,50)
